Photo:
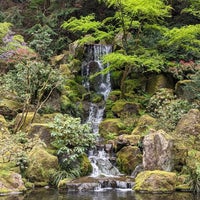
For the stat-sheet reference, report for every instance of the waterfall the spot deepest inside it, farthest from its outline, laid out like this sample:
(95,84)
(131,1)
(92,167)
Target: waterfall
(102,86)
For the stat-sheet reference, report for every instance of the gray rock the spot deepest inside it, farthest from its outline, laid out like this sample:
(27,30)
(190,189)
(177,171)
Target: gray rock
(157,151)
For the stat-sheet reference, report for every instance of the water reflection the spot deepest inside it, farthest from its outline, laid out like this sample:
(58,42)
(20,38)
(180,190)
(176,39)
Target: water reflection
(103,195)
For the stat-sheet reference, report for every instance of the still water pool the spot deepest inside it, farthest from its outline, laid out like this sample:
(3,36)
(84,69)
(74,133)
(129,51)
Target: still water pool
(51,194)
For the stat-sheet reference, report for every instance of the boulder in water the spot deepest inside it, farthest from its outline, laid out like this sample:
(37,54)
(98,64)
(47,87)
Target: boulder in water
(155,182)
(41,165)
(11,182)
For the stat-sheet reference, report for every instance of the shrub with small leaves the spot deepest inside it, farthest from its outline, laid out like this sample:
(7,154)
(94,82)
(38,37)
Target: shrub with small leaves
(71,139)
(167,109)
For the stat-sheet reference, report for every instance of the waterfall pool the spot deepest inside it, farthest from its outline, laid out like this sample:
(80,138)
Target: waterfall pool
(51,194)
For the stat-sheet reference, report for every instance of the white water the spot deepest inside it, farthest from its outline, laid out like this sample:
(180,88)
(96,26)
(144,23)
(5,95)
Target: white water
(99,158)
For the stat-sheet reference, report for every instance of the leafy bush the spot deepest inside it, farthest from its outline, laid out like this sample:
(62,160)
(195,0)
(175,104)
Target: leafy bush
(42,40)
(194,87)
(71,139)
(167,109)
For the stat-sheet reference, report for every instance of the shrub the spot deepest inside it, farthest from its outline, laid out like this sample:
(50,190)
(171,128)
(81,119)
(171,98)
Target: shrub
(71,139)
(167,109)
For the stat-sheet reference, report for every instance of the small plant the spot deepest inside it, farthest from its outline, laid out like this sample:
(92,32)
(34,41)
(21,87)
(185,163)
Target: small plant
(195,179)
(22,163)
(21,137)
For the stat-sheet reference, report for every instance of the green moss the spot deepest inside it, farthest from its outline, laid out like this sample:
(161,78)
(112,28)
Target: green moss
(11,104)
(155,182)
(110,126)
(145,122)
(124,108)
(41,165)
(62,183)
(116,78)
(85,166)
(128,158)
(29,185)
(97,98)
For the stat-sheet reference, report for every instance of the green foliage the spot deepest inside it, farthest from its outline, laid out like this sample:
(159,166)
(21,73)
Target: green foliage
(88,25)
(31,80)
(195,178)
(71,139)
(194,87)
(193,9)
(22,162)
(133,13)
(84,24)
(148,61)
(167,109)
(182,43)
(4,29)
(41,41)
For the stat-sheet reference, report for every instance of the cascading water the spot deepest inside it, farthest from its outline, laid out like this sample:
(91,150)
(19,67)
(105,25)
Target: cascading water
(102,86)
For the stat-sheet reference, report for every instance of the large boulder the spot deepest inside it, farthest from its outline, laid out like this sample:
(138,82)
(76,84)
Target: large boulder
(189,123)
(11,182)
(128,158)
(188,129)
(41,165)
(158,151)
(155,182)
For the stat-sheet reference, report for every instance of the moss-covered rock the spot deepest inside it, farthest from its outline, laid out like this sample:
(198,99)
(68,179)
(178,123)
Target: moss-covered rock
(128,158)
(188,130)
(180,152)
(157,82)
(182,92)
(155,182)
(41,165)
(9,108)
(108,126)
(41,131)
(2,120)
(125,108)
(183,183)
(11,182)
(126,140)
(85,166)
(144,123)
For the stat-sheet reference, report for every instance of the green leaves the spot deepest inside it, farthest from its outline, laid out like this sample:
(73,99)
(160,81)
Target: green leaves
(84,24)
(71,138)
(183,43)
(90,29)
